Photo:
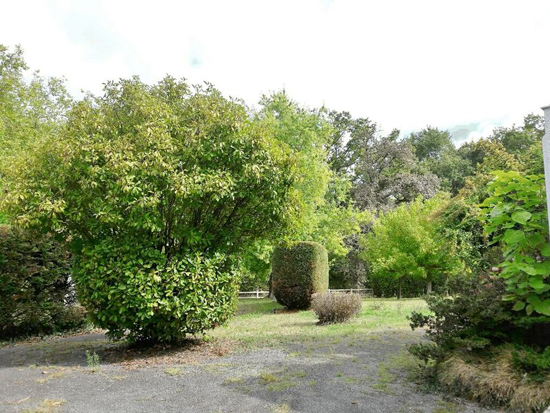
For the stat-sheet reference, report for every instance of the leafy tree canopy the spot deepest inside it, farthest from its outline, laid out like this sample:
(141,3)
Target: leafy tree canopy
(182,167)
(28,109)
(404,243)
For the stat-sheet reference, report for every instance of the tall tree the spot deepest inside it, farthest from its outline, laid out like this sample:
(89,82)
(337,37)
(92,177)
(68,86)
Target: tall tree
(404,244)
(383,169)
(524,142)
(30,110)
(436,152)
(387,174)
(518,139)
(325,212)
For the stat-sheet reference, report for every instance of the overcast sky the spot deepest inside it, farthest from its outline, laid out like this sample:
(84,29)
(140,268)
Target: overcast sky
(404,64)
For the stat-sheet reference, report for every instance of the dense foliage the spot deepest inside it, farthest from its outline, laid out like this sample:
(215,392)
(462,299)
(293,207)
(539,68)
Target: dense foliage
(516,217)
(404,247)
(153,296)
(334,307)
(473,317)
(325,212)
(299,271)
(170,197)
(36,294)
(168,172)
(482,349)
(491,334)
(29,110)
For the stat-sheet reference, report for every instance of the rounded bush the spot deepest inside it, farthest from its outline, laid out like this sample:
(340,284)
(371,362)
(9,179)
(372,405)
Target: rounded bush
(35,287)
(335,308)
(299,271)
(139,290)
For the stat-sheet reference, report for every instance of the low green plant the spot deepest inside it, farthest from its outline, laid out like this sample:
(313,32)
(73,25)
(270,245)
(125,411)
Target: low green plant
(535,364)
(474,317)
(173,371)
(92,359)
(482,349)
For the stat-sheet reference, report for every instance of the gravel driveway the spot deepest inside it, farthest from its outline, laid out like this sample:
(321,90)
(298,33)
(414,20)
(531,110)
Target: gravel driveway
(350,374)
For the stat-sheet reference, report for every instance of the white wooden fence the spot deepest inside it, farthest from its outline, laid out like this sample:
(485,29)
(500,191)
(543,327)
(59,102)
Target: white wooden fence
(253,294)
(366,292)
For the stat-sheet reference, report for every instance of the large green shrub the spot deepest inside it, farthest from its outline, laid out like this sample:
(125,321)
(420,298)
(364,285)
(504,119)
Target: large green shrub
(299,271)
(474,316)
(35,288)
(154,186)
(482,349)
(154,297)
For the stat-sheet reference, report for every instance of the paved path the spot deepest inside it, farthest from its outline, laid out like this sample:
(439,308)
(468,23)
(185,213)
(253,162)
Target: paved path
(367,374)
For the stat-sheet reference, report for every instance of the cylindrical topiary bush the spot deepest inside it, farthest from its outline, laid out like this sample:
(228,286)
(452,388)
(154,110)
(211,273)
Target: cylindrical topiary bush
(299,271)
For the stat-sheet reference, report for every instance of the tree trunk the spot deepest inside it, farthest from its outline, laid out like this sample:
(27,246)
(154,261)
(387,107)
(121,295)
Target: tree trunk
(429,287)
(400,288)
(271,295)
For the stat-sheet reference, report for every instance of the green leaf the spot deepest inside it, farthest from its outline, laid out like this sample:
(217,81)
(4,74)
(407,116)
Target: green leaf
(544,308)
(512,236)
(521,217)
(536,282)
(542,268)
(518,306)
(535,239)
(540,306)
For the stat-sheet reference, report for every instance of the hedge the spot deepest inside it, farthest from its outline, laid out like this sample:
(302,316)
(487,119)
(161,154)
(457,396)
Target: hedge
(299,271)
(36,293)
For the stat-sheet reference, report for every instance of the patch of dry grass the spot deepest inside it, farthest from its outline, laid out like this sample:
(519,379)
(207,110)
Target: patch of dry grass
(494,380)
(173,371)
(281,408)
(47,406)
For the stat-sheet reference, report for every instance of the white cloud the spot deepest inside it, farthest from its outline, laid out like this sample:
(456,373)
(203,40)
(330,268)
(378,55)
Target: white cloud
(405,64)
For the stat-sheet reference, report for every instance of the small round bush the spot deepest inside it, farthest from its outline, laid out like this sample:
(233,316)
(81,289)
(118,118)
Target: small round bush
(334,307)
(35,287)
(133,289)
(299,271)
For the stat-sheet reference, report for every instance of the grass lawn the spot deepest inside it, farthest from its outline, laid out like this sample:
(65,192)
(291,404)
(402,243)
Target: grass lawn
(257,322)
